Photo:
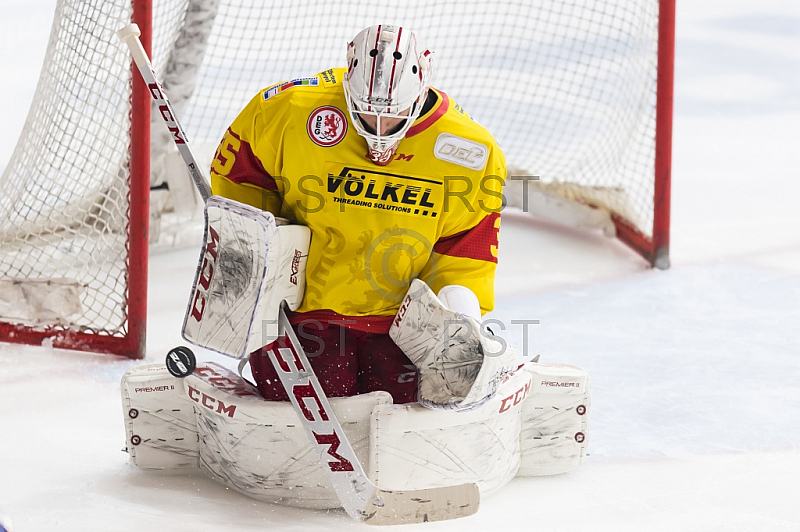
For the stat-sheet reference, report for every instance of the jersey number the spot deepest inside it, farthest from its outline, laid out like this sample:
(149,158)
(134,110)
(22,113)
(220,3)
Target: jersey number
(226,154)
(493,247)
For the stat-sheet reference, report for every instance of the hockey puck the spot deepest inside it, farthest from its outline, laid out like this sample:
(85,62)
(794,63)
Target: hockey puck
(181,361)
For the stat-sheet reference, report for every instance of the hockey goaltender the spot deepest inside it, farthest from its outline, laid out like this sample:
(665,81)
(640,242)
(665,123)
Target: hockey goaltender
(362,277)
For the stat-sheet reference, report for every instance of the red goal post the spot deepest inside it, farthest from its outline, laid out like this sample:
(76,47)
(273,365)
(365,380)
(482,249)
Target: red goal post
(577,92)
(40,304)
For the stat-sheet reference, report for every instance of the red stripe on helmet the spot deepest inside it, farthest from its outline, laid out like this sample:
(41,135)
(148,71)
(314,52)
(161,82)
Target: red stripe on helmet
(374,63)
(426,53)
(394,65)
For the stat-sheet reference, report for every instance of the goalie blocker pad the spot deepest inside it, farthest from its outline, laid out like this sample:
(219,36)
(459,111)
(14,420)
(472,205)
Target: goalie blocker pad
(248,265)
(537,424)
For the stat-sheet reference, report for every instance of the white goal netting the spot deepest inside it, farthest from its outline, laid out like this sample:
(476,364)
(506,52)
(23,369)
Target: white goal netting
(568,87)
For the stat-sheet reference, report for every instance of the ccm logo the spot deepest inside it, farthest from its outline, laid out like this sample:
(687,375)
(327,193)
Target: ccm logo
(312,408)
(209,402)
(515,398)
(401,312)
(400,157)
(206,274)
(166,113)
(220,381)
(295,267)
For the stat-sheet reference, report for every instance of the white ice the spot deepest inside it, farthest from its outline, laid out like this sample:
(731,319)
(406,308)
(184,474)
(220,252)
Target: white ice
(696,370)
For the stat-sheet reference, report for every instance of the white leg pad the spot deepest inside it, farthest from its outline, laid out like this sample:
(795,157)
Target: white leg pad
(555,419)
(160,429)
(537,424)
(260,448)
(415,447)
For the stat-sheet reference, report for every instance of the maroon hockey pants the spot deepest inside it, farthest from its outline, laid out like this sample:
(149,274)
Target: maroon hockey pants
(346,362)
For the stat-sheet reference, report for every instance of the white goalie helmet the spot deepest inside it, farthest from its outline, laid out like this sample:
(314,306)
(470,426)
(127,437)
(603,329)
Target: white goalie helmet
(387,80)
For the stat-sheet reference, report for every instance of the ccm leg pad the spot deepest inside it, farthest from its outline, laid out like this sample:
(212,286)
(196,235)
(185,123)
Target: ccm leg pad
(555,419)
(260,448)
(160,427)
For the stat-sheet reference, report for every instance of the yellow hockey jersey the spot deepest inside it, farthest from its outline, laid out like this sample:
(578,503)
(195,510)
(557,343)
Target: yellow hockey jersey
(432,213)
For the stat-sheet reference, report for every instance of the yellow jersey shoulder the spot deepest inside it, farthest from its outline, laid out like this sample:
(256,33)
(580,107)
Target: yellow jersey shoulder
(458,119)
(457,141)
(324,81)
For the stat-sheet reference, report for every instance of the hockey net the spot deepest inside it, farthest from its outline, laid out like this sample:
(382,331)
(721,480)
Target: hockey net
(577,93)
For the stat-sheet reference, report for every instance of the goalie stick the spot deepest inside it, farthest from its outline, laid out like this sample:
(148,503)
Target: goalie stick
(360,497)
(130,36)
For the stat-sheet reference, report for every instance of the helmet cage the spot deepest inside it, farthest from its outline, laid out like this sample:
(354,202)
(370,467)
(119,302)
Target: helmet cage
(385,78)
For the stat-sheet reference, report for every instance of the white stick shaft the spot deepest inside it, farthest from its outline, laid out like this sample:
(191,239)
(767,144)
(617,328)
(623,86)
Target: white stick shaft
(130,36)
(323,428)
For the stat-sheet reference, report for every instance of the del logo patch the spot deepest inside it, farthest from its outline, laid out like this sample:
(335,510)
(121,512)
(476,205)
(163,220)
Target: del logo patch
(461,151)
(326,126)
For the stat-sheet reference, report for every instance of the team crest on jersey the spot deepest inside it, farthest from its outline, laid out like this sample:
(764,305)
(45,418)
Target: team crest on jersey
(326,126)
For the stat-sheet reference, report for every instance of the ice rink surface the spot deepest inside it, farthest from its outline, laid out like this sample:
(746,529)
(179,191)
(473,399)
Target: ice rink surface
(696,370)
